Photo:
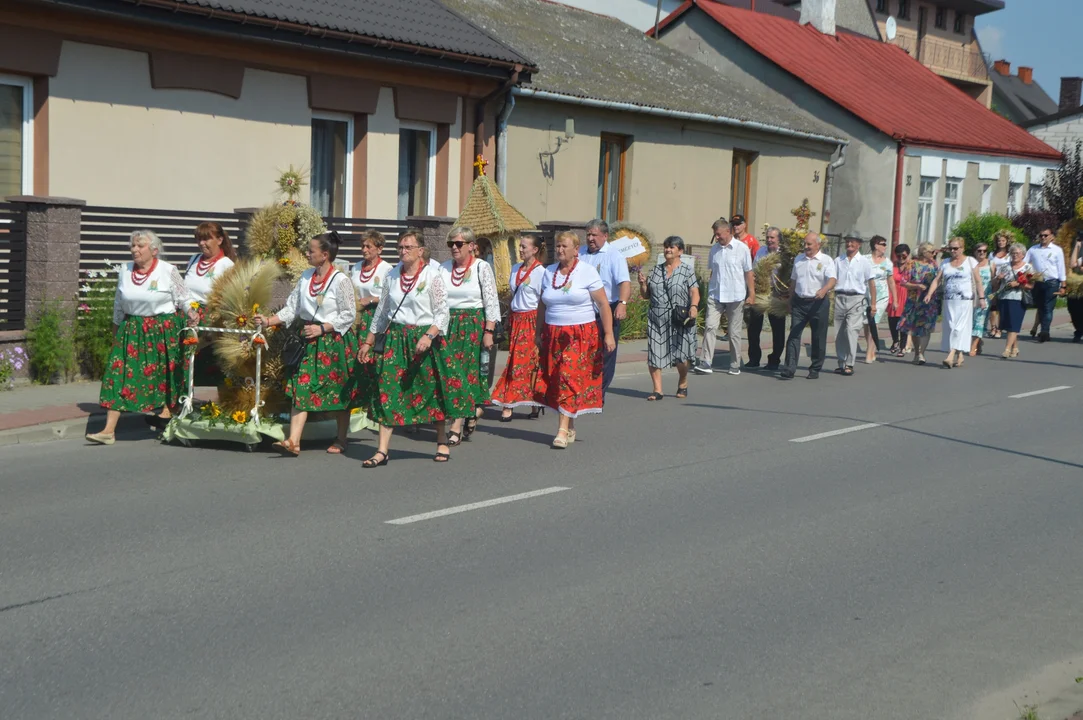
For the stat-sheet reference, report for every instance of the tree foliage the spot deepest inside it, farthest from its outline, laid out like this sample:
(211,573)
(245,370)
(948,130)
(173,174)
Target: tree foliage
(1066,185)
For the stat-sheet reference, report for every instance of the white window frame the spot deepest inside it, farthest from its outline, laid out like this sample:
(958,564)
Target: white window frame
(27,84)
(987,197)
(930,202)
(951,204)
(1015,198)
(347,202)
(431,129)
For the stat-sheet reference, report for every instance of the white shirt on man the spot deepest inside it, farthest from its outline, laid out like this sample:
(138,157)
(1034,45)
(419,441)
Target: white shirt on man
(810,274)
(611,267)
(853,274)
(1049,261)
(728,265)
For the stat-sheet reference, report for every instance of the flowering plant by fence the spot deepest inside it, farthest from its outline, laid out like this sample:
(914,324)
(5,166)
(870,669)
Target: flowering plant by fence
(11,361)
(94,322)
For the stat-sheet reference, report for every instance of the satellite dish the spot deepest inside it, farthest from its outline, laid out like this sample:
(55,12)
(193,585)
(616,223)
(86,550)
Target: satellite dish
(890,28)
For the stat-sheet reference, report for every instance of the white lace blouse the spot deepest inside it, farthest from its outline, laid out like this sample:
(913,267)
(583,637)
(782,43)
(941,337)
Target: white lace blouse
(163,292)
(424,306)
(478,289)
(335,304)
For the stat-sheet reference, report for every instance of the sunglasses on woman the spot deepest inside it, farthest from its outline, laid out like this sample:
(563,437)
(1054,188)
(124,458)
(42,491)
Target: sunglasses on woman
(455,243)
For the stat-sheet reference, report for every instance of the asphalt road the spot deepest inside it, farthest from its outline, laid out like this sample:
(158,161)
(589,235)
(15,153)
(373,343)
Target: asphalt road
(699,565)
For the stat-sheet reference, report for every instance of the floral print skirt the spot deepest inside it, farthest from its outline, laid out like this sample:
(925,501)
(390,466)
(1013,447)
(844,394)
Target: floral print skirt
(364,375)
(324,379)
(465,388)
(919,317)
(409,390)
(515,387)
(570,380)
(146,368)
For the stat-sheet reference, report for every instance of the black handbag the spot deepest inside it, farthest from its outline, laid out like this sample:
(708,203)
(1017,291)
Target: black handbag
(681,317)
(293,350)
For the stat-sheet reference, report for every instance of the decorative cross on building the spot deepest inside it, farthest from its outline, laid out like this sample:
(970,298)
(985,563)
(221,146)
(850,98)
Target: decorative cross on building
(480,164)
(803,213)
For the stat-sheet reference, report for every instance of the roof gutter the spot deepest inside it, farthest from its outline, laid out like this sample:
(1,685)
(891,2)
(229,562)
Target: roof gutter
(678,115)
(479,111)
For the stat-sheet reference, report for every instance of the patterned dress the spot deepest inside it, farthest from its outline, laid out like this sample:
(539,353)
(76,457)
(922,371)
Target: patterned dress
(515,388)
(882,274)
(146,368)
(668,345)
(472,301)
(919,317)
(985,272)
(366,284)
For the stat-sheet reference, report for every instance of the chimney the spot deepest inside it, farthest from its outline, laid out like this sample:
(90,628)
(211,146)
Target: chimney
(821,13)
(1026,74)
(1003,67)
(1070,88)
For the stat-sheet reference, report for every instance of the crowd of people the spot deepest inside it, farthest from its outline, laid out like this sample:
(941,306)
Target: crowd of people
(408,344)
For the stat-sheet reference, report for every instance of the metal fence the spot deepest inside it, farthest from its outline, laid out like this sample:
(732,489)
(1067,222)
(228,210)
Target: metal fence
(12,267)
(350,231)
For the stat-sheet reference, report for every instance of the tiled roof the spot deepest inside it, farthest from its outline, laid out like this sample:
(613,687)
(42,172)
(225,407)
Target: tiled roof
(881,84)
(1027,101)
(420,23)
(587,55)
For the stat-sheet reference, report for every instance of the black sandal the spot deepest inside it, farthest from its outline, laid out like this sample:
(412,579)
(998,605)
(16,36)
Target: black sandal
(655,396)
(442,457)
(469,427)
(372,462)
(453,439)
(682,392)
(506,418)
(535,412)
(848,371)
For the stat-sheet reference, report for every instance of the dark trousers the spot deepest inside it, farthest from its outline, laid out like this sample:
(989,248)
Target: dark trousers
(1075,309)
(1045,300)
(814,313)
(778,338)
(609,369)
(893,326)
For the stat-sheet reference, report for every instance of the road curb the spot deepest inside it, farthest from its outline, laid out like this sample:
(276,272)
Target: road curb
(68,429)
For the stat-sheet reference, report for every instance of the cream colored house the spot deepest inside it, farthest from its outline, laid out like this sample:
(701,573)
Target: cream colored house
(174,105)
(617,126)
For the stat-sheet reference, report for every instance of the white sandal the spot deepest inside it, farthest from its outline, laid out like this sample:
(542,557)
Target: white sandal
(561,440)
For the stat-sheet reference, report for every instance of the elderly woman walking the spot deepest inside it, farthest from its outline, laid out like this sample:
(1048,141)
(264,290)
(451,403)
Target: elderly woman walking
(572,355)
(216,255)
(404,340)
(515,388)
(673,292)
(324,302)
(962,291)
(883,276)
(474,311)
(146,366)
(1012,284)
(919,316)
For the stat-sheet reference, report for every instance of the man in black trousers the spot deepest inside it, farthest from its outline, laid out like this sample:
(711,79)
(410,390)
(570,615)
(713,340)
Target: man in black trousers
(811,281)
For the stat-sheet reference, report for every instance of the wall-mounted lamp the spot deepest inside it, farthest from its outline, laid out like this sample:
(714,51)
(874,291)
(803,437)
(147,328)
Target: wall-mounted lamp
(546,156)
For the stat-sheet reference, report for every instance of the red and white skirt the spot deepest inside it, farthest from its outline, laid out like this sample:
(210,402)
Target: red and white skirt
(570,380)
(515,388)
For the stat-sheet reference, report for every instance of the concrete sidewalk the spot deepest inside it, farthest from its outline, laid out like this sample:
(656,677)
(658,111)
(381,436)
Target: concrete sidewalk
(37,413)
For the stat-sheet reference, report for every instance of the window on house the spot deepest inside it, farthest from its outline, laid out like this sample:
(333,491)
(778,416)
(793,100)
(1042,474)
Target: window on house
(926,197)
(960,23)
(741,183)
(904,9)
(417,171)
(881,7)
(1035,197)
(1015,198)
(332,150)
(611,177)
(986,197)
(15,143)
(951,207)
(941,18)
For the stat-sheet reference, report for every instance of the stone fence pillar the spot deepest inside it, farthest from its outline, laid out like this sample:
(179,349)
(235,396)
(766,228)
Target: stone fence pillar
(52,251)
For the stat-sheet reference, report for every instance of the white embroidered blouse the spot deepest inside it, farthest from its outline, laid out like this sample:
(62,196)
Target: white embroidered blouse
(525,298)
(334,304)
(199,286)
(163,292)
(477,290)
(373,287)
(423,306)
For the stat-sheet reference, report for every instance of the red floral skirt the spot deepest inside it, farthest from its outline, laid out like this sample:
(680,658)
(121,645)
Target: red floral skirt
(516,386)
(146,367)
(570,379)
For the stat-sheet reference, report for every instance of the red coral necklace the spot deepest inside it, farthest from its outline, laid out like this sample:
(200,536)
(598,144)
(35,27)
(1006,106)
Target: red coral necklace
(406,283)
(567,277)
(139,277)
(205,264)
(458,277)
(521,275)
(315,285)
(365,277)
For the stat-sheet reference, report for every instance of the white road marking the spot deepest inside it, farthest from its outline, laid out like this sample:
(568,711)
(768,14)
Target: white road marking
(818,436)
(475,506)
(1041,392)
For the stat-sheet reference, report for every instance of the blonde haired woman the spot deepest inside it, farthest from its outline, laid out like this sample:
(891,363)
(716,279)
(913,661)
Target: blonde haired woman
(515,388)
(963,289)
(572,359)
(146,366)
(919,316)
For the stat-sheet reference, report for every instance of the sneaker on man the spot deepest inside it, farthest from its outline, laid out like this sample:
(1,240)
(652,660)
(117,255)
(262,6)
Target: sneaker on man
(702,368)
(735,371)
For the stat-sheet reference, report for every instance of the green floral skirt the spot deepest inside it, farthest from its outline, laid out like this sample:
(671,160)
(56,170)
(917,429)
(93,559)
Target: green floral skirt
(363,387)
(466,388)
(409,390)
(324,378)
(146,368)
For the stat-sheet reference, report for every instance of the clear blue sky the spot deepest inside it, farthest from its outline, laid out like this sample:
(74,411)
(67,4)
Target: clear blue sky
(1042,34)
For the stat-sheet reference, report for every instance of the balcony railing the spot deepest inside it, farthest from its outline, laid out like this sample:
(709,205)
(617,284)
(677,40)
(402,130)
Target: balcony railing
(945,57)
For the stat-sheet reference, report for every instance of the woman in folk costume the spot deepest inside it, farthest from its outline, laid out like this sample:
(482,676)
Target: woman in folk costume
(216,255)
(474,311)
(146,366)
(368,277)
(572,358)
(323,300)
(409,320)
(515,388)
